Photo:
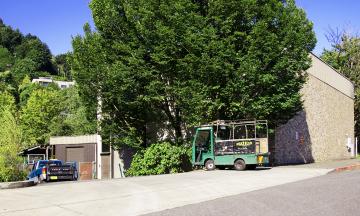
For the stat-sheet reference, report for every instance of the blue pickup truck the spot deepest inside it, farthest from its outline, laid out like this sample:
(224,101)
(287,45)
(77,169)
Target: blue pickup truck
(53,170)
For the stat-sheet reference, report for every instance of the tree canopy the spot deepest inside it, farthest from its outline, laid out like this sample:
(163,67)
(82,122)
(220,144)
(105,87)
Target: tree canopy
(41,107)
(166,66)
(24,55)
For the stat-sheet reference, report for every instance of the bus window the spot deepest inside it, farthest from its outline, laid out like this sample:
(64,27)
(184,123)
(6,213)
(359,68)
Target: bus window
(223,133)
(203,139)
(250,131)
(240,132)
(244,132)
(261,131)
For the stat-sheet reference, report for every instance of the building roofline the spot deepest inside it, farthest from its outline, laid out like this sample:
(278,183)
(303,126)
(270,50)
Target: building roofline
(332,68)
(74,140)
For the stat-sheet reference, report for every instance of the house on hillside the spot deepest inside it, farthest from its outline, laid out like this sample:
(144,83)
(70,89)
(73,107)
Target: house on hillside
(45,81)
(324,129)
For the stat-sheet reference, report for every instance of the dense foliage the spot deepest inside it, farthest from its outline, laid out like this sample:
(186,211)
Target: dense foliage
(10,145)
(28,55)
(41,111)
(160,158)
(161,67)
(345,57)
(31,113)
(23,54)
(53,112)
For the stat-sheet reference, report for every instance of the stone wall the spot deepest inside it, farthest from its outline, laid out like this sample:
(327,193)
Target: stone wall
(320,132)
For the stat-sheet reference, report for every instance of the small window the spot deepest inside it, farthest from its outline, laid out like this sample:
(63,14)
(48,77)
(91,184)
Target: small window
(223,133)
(203,138)
(250,131)
(261,131)
(240,132)
(32,158)
(42,163)
(244,132)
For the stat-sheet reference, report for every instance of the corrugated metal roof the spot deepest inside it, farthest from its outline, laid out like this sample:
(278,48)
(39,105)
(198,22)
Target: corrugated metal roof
(74,140)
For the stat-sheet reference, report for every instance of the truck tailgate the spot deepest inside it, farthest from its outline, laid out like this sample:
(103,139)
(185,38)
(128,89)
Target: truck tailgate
(59,172)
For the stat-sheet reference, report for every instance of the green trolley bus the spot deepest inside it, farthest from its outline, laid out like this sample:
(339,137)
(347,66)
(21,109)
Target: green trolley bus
(242,144)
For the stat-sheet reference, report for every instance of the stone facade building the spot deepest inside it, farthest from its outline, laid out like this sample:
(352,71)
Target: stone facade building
(324,129)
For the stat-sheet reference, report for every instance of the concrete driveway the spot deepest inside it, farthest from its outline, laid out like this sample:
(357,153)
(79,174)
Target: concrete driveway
(140,195)
(336,194)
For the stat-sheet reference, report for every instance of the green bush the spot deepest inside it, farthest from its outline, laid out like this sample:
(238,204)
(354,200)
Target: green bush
(8,174)
(160,158)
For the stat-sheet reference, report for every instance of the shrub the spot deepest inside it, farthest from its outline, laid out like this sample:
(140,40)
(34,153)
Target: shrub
(160,158)
(16,173)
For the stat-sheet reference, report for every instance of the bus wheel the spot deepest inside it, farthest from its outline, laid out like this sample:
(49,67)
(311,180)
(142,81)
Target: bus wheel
(239,165)
(209,165)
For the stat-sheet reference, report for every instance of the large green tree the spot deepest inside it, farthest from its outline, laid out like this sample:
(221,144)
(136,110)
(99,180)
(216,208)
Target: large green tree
(36,116)
(345,57)
(178,63)
(10,146)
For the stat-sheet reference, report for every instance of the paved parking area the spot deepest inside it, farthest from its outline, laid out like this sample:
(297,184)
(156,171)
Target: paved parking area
(140,195)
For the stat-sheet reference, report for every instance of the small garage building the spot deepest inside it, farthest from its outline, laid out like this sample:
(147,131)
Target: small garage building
(86,151)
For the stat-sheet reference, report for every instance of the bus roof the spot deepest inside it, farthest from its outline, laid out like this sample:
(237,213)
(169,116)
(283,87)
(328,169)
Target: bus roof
(234,122)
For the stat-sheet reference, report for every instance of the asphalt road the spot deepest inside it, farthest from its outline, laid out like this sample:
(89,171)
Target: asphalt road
(333,194)
(141,195)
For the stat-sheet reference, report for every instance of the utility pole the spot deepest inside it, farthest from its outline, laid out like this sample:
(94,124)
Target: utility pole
(98,130)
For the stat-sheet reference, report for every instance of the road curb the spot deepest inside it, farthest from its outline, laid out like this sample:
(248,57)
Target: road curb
(346,168)
(19,184)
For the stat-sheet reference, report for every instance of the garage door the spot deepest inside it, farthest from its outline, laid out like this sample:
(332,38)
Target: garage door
(75,154)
